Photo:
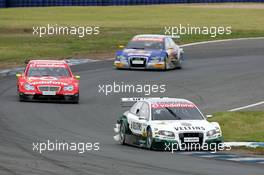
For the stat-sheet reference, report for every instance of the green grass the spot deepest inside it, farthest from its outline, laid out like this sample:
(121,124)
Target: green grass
(241,126)
(118,25)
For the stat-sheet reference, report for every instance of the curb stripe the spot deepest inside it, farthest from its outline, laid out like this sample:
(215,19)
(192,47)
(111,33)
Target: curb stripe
(218,41)
(226,156)
(248,106)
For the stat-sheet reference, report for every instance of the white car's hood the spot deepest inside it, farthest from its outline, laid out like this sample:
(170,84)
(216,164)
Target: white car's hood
(183,125)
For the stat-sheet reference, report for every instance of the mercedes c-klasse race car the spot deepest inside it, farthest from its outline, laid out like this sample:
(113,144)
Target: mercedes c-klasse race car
(158,123)
(48,80)
(150,52)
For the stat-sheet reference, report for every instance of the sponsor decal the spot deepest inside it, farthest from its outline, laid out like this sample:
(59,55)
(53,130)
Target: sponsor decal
(188,128)
(48,78)
(186,124)
(48,83)
(144,54)
(172,105)
(51,65)
(42,78)
(191,139)
(136,126)
(149,39)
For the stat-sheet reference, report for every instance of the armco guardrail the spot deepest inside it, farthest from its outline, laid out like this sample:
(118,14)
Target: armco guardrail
(41,3)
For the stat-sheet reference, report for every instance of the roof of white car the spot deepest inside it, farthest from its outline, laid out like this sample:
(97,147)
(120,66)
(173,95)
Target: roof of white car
(166,100)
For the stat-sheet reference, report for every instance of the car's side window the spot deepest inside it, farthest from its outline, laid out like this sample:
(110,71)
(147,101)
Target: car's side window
(144,111)
(136,107)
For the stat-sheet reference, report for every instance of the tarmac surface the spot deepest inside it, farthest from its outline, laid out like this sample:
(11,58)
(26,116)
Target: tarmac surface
(216,76)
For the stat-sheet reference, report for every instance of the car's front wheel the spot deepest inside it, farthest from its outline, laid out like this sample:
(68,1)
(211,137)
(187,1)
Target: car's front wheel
(77,99)
(179,66)
(73,99)
(167,65)
(149,139)
(122,133)
(180,60)
(19,95)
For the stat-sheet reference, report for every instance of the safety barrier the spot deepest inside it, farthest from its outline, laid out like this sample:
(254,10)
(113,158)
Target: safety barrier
(2,3)
(36,3)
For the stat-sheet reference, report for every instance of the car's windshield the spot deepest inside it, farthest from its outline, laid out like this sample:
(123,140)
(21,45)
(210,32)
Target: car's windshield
(145,45)
(175,111)
(48,71)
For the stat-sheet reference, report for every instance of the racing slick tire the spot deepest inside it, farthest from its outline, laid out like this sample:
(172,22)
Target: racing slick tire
(20,96)
(76,99)
(179,66)
(166,63)
(122,133)
(149,139)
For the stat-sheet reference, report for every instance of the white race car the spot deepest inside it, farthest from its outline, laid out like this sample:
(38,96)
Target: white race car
(157,123)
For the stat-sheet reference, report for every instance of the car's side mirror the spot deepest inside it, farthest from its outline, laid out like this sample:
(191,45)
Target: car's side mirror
(137,112)
(77,77)
(27,61)
(121,46)
(181,50)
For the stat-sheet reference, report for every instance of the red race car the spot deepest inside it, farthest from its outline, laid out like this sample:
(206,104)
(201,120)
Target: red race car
(48,79)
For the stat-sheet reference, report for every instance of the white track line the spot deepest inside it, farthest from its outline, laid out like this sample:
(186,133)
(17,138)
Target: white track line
(246,159)
(248,106)
(219,156)
(217,41)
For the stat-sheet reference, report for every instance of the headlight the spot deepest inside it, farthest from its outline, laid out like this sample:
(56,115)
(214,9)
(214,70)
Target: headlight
(155,59)
(68,88)
(121,58)
(211,133)
(29,87)
(166,133)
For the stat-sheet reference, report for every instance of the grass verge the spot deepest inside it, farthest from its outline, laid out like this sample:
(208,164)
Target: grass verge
(246,126)
(117,26)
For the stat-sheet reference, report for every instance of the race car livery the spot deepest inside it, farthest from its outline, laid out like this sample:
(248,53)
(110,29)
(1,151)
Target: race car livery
(150,52)
(155,123)
(48,80)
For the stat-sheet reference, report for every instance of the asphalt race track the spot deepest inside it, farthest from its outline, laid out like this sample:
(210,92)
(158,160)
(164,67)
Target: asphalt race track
(216,76)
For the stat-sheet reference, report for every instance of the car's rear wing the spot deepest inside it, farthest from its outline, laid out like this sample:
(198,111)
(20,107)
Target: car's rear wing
(128,102)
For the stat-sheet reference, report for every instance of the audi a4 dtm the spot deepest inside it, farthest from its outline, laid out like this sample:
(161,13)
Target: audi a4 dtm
(150,52)
(155,122)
